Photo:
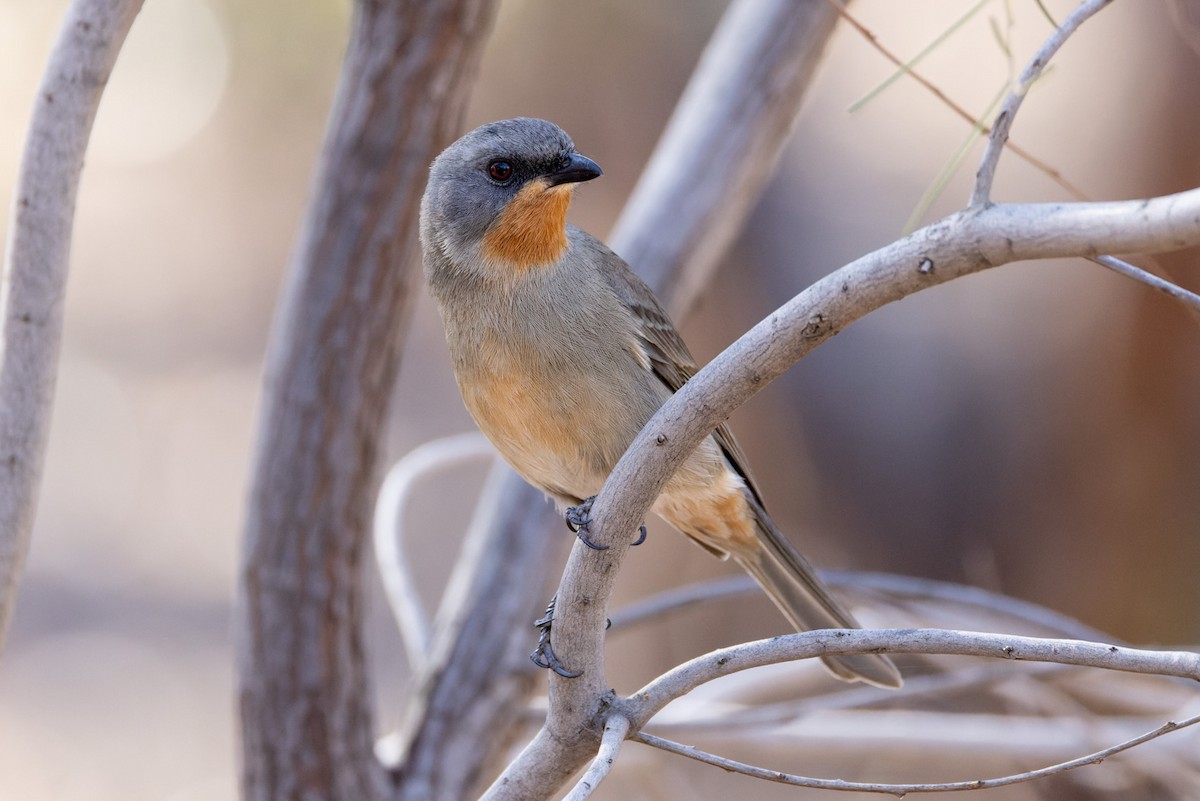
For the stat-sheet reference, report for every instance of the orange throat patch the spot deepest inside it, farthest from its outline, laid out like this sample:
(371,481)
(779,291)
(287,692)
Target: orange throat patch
(532,229)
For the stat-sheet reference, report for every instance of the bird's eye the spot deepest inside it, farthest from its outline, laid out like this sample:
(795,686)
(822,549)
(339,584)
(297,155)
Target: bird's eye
(500,171)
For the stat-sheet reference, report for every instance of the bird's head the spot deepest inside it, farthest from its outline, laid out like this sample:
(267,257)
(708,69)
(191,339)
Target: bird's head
(498,196)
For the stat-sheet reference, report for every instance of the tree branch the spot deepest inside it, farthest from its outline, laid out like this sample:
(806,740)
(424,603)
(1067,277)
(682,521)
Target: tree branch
(388,532)
(900,790)
(982,192)
(615,729)
(969,118)
(962,244)
(331,363)
(848,581)
(649,700)
(1149,279)
(37,260)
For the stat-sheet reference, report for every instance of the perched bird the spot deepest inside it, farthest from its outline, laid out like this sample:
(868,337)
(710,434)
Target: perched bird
(562,354)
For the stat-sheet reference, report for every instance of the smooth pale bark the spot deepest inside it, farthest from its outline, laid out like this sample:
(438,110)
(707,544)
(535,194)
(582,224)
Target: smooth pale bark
(36,261)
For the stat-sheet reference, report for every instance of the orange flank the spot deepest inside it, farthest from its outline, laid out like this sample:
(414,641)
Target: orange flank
(710,509)
(532,229)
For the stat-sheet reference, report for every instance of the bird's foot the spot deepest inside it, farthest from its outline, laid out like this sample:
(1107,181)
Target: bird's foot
(543,656)
(580,517)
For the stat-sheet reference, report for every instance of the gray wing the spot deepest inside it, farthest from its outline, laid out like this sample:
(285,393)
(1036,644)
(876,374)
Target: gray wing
(670,359)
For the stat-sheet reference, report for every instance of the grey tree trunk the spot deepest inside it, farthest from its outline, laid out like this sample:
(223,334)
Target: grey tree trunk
(304,692)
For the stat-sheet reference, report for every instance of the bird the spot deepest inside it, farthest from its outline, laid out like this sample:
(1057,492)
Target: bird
(562,354)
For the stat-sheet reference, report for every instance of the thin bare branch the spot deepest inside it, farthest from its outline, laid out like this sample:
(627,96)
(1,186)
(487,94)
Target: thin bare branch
(646,702)
(464,711)
(984,177)
(37,259)
(919,587)
(1149,279)
(615,729)
(388,531)
(676,598)
(907,67)
(900,790)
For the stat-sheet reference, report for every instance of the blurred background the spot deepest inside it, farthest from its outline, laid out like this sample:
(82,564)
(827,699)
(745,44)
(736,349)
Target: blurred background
(1031,430)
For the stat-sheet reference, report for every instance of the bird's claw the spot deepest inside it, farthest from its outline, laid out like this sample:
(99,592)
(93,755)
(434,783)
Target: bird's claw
(543,656)
(580,517)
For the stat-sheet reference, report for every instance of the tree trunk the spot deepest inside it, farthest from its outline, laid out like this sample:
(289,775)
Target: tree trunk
(305,698)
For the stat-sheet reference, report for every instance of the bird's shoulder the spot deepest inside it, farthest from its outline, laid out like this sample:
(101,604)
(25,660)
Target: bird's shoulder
(667,353)
(660,340)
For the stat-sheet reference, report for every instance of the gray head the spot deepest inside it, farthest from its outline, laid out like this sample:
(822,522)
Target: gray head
(477,178)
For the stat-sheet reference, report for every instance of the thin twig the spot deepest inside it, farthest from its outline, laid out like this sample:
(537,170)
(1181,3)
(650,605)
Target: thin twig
(1021,152)
(900,790)
(1008,112)
(615,729)
(1149,279)
(399,583)
(907,67)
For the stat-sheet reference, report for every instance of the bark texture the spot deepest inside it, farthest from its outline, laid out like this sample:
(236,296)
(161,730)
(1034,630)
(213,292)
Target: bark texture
(304,692)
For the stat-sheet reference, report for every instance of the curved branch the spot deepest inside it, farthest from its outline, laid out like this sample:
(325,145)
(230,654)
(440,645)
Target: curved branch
(1004,119)
(900,790)
(959,245)
(962,244)
(387,530)
(36,262)
(464,710)
(648,701)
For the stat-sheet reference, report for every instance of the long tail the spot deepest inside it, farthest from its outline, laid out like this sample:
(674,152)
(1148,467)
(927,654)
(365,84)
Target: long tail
(794,587)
